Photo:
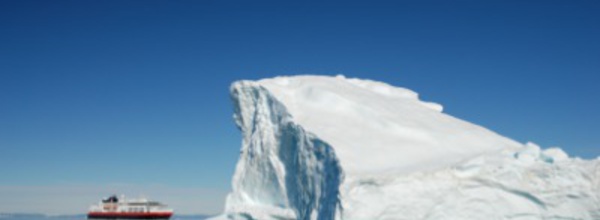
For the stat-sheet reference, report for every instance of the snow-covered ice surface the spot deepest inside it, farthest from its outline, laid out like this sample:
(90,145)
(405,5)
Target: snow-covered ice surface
(319,147)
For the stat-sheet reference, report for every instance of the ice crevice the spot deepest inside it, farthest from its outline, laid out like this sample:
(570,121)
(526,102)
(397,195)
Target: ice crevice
(282,168)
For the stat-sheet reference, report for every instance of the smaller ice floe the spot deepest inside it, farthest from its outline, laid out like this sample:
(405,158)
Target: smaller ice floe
(531,153)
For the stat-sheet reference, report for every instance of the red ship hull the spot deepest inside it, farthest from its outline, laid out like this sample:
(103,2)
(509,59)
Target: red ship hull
(129,215)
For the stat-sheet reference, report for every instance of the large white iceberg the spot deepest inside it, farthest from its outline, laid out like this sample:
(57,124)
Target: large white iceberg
(319,147)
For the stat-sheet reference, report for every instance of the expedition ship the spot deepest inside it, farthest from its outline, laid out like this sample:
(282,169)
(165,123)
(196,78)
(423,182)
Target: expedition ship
(119,208)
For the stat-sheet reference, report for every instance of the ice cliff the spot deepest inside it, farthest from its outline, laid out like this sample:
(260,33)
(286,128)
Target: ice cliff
(318,147)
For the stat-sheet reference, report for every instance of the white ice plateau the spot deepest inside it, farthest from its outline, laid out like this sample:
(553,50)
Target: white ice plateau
(329,148)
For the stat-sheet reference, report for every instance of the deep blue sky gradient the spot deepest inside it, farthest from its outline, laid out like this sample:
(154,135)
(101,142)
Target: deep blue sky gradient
(137,91)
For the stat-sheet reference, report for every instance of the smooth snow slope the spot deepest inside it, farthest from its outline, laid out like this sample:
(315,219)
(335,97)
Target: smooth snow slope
(318,147)
(375,127)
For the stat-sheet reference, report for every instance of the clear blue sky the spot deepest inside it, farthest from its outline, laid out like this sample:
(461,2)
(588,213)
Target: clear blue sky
(102,93)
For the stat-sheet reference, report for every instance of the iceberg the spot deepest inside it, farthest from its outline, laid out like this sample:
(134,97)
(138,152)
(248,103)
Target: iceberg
(328,148)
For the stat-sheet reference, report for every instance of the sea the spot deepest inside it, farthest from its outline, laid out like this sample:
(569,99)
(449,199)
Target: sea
(19,216)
